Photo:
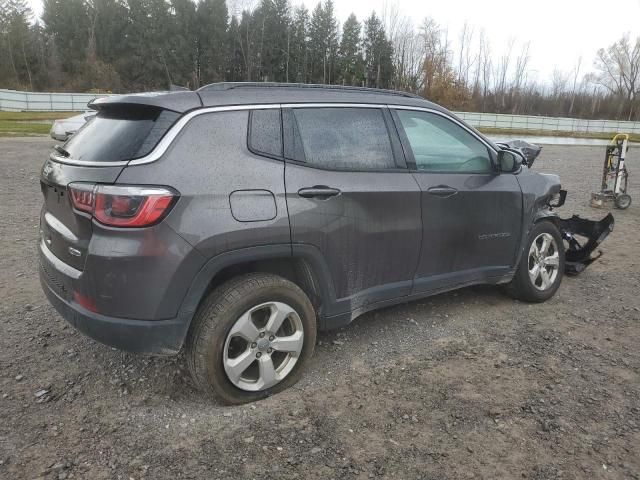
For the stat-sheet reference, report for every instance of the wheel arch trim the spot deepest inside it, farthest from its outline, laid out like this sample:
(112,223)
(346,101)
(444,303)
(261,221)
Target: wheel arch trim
(308,253)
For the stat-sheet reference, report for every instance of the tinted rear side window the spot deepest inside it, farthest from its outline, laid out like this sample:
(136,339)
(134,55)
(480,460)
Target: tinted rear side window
(265,132)
(120,134)
(350,138)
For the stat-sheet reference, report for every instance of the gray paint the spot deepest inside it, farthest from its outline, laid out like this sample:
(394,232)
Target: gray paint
(382,240)
(207,162)
(476,228)
(369,234)
(176,101)
(253,205)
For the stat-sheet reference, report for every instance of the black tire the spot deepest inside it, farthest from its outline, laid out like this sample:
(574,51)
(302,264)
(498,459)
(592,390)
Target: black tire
(217,315)
(623,201)
(521,286)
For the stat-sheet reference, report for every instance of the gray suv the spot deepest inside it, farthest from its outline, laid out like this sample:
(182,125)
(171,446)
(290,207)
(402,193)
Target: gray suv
(236,220)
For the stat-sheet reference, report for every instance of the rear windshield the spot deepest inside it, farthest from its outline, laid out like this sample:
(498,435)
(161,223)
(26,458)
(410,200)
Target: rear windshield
(120,134)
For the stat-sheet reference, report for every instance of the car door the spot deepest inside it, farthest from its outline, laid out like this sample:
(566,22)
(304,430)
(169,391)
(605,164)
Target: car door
(471,213)
(351,197)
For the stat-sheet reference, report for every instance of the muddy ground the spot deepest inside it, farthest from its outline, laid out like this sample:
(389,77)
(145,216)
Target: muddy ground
(469,384)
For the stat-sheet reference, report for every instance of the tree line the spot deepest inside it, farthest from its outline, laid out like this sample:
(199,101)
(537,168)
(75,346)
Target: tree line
(140,45)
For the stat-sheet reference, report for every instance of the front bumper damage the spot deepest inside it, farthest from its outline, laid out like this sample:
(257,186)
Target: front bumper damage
(578,255)
(583,237)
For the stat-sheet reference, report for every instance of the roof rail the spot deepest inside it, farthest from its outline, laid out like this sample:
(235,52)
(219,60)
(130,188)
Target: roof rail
(233,85)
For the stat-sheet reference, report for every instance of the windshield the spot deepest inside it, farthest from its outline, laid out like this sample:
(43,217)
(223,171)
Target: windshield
(122,133)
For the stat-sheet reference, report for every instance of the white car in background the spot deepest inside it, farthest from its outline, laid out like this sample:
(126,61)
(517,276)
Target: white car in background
(62,129)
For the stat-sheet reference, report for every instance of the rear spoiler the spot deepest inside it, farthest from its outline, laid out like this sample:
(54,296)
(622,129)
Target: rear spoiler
(179,101)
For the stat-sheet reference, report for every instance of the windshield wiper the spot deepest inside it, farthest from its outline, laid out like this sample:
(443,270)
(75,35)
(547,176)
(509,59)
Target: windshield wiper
(60,149)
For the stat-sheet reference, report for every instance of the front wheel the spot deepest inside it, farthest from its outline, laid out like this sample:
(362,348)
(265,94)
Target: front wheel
(541,267)
(251,338)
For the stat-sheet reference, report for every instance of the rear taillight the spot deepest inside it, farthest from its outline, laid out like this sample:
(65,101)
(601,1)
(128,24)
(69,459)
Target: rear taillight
(82,196)
(122,205)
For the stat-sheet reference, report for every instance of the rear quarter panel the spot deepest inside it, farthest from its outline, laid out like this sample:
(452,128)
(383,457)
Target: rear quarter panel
(206,163)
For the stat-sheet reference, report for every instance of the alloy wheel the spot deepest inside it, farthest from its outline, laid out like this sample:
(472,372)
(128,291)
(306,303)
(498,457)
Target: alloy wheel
(544,261)
(263,346)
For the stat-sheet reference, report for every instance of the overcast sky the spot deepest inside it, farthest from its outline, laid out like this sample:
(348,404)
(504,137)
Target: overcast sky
(559,31)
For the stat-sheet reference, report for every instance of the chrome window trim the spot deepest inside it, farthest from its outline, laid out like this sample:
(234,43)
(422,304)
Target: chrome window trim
(166,141)
(73,161)
(173,132)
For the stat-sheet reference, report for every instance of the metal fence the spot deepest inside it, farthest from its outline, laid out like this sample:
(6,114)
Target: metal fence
(548,124)
(12,100)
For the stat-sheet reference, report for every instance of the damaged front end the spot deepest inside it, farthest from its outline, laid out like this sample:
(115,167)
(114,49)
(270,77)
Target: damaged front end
(583,237)
(543,192)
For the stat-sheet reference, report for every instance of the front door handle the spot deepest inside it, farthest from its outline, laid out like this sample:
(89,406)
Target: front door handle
(442,191)
(318,191)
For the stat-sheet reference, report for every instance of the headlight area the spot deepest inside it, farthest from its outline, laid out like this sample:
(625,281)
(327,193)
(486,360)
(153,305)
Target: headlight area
(557,200)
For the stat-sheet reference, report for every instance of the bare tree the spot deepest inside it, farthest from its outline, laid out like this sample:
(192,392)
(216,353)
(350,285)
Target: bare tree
(502,69)
(485,67)
(520,76)
(576,72)
(408,51)
(465,61)
(619,67)
(558,83)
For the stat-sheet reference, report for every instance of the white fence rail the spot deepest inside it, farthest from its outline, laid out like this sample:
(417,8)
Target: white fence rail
(12,100)
(547,124)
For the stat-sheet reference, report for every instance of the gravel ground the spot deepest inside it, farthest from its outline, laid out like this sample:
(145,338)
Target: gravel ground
(469,384)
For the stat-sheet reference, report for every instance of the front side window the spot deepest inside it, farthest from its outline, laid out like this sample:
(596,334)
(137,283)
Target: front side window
(440,145)
(344,138)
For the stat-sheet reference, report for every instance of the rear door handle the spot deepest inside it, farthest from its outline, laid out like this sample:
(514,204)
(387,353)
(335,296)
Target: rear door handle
(318,191)
(442,191)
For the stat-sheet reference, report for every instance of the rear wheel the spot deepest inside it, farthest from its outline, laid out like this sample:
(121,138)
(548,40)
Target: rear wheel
(623,201)
(541,267)
(251,338)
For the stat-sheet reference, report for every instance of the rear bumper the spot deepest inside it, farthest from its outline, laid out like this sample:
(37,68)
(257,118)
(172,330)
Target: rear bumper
(163,337)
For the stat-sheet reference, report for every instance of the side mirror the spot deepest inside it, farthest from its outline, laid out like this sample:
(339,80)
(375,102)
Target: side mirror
(509,161)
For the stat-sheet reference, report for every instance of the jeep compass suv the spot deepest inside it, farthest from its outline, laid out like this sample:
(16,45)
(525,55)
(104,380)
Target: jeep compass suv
(236,220)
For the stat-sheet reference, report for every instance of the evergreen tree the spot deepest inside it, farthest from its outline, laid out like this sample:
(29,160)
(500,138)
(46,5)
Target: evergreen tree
(182,50)
(148,36)
(235,66)
(108,25)
(298,58)
(68,23)
(350,55)
(19,41)
(212,41)
(249,34)
(378,54)
(323,43)
(277,38)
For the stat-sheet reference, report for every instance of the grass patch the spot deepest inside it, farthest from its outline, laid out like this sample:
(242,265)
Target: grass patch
(35,116)
(9,128)
(26,124)
(633,137)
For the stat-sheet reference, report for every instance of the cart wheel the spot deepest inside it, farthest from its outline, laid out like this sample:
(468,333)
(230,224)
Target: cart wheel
(623,201)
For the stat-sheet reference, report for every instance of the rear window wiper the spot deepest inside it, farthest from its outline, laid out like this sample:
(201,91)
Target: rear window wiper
(60,149)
